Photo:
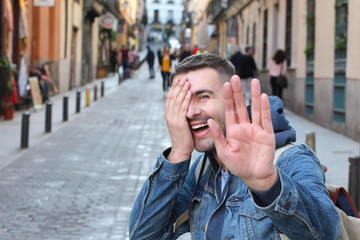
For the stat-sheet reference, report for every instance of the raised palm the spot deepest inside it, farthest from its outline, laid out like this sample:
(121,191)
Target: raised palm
(248,148)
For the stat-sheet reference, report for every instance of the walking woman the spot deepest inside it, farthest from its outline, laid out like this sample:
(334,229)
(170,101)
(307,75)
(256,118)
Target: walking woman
(278,66)
(165,67)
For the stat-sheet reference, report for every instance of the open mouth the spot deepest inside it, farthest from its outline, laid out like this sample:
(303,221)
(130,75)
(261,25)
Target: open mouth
(200,129)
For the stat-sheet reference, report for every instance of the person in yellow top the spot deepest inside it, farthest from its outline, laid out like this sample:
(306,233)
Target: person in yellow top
(165,66)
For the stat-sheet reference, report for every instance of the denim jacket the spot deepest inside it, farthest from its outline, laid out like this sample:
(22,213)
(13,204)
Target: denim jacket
(303,209)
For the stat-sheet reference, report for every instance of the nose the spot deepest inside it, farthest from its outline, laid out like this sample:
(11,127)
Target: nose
(193,110)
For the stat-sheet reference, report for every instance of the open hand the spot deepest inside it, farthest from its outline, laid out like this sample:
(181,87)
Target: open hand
(248,148)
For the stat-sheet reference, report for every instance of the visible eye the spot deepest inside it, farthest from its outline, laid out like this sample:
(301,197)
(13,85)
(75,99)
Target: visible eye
(203,97)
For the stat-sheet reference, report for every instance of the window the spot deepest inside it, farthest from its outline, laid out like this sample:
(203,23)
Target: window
(247,35)
(254,36)
(310,30)
(288,31)
(170,16)
(339,91)
(341,29)
(156,16)
(309,51)
(232,27)
(265,30)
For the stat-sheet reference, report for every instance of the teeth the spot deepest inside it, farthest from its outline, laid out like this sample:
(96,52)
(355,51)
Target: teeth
(199,126)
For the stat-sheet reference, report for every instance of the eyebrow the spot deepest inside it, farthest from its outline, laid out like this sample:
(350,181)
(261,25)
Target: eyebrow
(199,92)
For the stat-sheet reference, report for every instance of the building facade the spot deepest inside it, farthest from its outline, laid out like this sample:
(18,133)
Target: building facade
(320,39)
(164,18)
(75,37)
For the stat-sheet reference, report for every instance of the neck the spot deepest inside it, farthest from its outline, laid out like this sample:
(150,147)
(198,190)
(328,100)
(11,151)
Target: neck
(214,153)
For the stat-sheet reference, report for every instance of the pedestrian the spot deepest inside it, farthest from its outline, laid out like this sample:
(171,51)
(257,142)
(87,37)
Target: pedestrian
(47,83)
(185,52)
(113,59)
(240,193)
(132,58)
(248,71)
(125,58)
(235,60)
(165,66)
(150,58)
(277,67)
(194,49)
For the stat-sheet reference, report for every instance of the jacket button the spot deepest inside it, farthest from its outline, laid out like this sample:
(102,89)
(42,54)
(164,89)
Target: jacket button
(203,227)
(287,204)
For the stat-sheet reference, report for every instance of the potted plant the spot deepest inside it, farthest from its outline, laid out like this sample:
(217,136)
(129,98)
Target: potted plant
(6,88)
(102,69)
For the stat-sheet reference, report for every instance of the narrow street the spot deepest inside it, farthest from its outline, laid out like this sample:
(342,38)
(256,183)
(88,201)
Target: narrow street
(80,182)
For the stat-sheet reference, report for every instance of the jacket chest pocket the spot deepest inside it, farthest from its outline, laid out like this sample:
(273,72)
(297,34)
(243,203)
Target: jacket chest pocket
(248,222)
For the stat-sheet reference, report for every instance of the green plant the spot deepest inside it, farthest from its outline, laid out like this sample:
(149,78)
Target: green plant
(103,63)
(340,44)
(5,77)
(309,48)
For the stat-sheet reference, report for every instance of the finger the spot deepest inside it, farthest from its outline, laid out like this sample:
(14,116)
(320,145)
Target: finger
(218,136)
(180,98)
(255,102)
(240,103)
(230,112)
(186,103)
(174,93)
(266,114)
(169,94)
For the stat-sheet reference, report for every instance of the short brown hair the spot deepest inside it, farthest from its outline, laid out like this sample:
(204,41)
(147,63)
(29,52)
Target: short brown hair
(195,62)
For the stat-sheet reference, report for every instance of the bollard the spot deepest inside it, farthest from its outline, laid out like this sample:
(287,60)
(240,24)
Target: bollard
(78,101)
(354,177)
(102,88)
(65,108)
(48,117)
(87,97)
(95,92)
(310,140)
(25,124)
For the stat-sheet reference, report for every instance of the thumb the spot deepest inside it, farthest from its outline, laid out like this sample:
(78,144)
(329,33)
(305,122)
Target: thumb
(218,136)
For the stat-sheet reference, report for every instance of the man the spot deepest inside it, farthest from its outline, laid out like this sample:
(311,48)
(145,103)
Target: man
(235,60)
(185,52)
(125,61)
(248,71)
(150,58)
(242,194)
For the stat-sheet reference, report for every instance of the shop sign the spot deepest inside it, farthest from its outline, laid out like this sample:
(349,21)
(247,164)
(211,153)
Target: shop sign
(107,21)
(44,3)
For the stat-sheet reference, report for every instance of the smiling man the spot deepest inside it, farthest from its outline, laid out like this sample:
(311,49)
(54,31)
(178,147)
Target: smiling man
(234,190)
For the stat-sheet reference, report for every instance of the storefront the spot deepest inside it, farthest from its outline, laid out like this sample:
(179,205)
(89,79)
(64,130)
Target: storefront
(13,46)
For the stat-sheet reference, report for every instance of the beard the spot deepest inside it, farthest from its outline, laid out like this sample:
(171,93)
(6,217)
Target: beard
(206,143)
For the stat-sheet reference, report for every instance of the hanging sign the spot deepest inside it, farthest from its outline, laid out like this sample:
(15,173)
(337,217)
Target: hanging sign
(107,21)
(44,3)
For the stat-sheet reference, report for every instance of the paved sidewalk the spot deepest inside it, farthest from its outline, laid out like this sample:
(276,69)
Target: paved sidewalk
(10,131)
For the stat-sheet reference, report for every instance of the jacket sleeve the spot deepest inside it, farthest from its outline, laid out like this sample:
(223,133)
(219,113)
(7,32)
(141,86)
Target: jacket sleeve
(162,199)
(303,210)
